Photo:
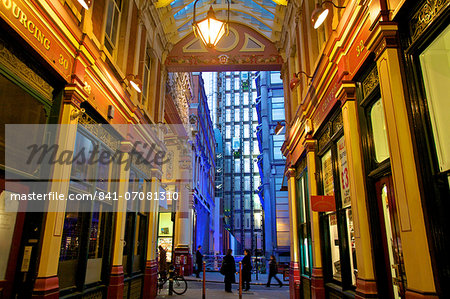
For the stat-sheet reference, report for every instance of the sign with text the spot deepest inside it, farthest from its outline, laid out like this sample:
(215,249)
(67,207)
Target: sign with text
(24,19)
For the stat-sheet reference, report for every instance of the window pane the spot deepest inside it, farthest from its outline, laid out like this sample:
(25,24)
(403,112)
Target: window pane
(334,246)
(351,244)
(379,132)
(435,63)
(275,78)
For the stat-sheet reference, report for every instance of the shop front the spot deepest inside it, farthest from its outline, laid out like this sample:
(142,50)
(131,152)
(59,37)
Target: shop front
(424,34)
(30,93)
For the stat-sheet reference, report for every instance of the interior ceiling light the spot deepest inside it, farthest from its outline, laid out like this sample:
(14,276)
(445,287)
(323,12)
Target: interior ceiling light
(319,14)
(210,29)
(296,79)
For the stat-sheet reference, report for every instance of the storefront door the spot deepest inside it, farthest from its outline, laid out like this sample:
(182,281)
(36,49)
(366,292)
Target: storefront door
(391,239)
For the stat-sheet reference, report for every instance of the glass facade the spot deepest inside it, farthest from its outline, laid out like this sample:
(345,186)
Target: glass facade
(236,120)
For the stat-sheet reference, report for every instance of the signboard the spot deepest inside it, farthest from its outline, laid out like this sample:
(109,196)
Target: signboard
(327,171)
(24,19)
(323,203)
(343,173)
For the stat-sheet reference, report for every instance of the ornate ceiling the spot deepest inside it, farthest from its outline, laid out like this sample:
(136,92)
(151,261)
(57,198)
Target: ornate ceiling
(264,16)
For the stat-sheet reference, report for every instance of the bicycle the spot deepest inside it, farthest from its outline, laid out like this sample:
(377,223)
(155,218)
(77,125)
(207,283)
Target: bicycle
(177,283)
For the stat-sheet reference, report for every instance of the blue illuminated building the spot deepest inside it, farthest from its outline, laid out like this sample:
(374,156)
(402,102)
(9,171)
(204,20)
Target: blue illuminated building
(271,165)
(203,168)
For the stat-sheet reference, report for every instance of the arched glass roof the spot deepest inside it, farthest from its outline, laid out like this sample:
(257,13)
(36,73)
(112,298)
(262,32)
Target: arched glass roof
(264,16)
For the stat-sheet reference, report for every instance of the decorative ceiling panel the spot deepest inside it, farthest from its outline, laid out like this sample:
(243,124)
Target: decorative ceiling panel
(264,16)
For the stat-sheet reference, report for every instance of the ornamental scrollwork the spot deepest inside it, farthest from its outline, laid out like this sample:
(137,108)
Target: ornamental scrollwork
(425,15)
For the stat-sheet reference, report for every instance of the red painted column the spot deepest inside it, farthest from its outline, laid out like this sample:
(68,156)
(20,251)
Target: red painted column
(150,280)
(294,280)
(115,287)
(317,284)
(46,287)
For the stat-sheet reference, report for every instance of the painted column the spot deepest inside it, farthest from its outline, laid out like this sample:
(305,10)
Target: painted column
(47,282)
(365,280)
(116,285)
(415,248)
(317,281)
(151,262)
(294,270)
(183,223)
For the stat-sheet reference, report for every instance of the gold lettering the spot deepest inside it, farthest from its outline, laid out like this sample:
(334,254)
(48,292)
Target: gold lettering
(15,10)
(38,35)
(30,24)
(46,44)
(7,4)
(23,19)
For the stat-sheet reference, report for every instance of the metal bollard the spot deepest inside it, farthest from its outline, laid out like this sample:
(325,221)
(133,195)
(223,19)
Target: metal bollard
(240,280)
(204,281)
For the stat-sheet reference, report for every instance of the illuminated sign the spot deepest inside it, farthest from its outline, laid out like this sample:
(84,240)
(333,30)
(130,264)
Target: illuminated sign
(23,18)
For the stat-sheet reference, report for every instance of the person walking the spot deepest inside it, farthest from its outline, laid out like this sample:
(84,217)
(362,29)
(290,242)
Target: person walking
(273,270)
(228,269)
(199,261)
(246,270)
(162,262)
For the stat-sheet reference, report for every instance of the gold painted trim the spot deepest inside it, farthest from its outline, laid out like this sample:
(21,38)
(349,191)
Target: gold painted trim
(370,82)
(426,15)
(21,70)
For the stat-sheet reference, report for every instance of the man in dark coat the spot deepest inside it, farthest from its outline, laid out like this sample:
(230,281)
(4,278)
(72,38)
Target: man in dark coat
(199,261)
(246,270)
(229,269)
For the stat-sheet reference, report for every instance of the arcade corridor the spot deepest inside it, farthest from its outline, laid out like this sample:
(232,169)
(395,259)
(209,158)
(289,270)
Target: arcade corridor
(137,134)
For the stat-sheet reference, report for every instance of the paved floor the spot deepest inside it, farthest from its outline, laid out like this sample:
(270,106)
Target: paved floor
(215,288)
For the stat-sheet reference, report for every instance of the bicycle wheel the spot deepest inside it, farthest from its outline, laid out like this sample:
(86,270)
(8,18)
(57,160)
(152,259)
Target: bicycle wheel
(179,285)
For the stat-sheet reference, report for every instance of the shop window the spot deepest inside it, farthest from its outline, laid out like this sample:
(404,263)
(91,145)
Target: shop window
(134,226)
(379,131)
(304,229)
(338,238)
(434,62)
(85,233)
(112,24)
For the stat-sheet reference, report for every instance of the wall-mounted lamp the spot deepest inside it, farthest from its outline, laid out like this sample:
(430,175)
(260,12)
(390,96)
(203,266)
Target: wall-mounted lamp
(296,79)
(210,29)
(135,82)
(279,127)
(85,3)
(319,14)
